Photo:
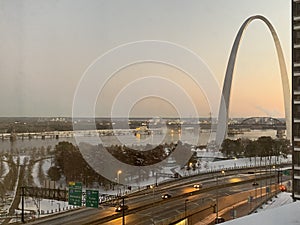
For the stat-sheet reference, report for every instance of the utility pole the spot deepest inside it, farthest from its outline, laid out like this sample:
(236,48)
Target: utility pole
(217,202)
(22,199)
(185,212)
(123,210)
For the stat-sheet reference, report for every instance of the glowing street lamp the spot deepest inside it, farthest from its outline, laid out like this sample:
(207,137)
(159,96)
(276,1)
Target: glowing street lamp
(223,173)
(153,201)
(118,176)
(217,197)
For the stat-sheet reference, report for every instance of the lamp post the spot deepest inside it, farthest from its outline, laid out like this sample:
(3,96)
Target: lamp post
(223,172)
(217,198)
(123,209)
(235,159)
(152,187)
(39,206)
(22,200)
(118,176)
(274,172)
(255,177)
(185,210)
(118,180)
(153,201)
(280,169)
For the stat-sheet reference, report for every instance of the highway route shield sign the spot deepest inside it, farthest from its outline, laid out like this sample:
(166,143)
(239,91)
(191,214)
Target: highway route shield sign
(92,198)
(75,193)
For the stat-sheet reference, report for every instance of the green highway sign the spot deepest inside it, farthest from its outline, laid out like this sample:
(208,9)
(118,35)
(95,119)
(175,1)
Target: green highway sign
(75,193)
(286,172)
(92,198)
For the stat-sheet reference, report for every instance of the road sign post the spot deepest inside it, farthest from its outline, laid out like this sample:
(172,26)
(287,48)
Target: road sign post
(92,198)
(75,193)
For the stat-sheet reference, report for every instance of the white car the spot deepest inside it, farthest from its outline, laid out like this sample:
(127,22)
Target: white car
(197,185)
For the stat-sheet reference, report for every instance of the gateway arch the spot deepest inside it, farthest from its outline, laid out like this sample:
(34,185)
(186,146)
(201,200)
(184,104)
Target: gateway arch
(225,98)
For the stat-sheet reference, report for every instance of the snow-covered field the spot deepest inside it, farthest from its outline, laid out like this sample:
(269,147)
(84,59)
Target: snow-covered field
(281,211)
(282,198)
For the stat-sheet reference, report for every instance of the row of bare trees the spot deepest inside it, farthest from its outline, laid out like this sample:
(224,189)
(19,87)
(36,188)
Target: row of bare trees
(69,164)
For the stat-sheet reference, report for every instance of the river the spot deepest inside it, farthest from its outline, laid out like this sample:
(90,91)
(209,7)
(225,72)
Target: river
(201,138)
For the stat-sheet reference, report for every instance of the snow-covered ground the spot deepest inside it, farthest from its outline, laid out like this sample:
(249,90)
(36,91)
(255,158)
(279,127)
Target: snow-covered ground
(35,175)
(6,169)
(204,165)
(52,206)
(281,211)
(283,198)
(46,206)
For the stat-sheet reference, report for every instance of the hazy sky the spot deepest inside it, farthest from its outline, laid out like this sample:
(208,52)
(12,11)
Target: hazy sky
(46,46)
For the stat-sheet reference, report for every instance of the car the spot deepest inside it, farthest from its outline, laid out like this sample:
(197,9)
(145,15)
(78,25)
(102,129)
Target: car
(120,208)
(166,196)
(219,220)
(255,183)
(197,185)
(282,187)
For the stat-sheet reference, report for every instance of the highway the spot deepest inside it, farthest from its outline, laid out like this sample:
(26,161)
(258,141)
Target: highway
(202,201)
(147,207)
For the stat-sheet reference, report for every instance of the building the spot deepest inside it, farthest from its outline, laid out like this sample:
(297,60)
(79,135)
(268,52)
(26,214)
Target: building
(296,98)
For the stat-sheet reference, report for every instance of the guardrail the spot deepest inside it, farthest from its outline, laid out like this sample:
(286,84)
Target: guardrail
(208,172)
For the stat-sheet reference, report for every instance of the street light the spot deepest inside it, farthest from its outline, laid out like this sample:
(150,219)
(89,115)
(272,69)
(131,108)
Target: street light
(191,166)
(118,176)
(185,214)
(152,187)
(217,198)
(123,209)
(118,180)
(276,182)
(153,201)
(223,173)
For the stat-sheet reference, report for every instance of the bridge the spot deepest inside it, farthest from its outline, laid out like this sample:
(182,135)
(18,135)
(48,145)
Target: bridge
(259,123)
